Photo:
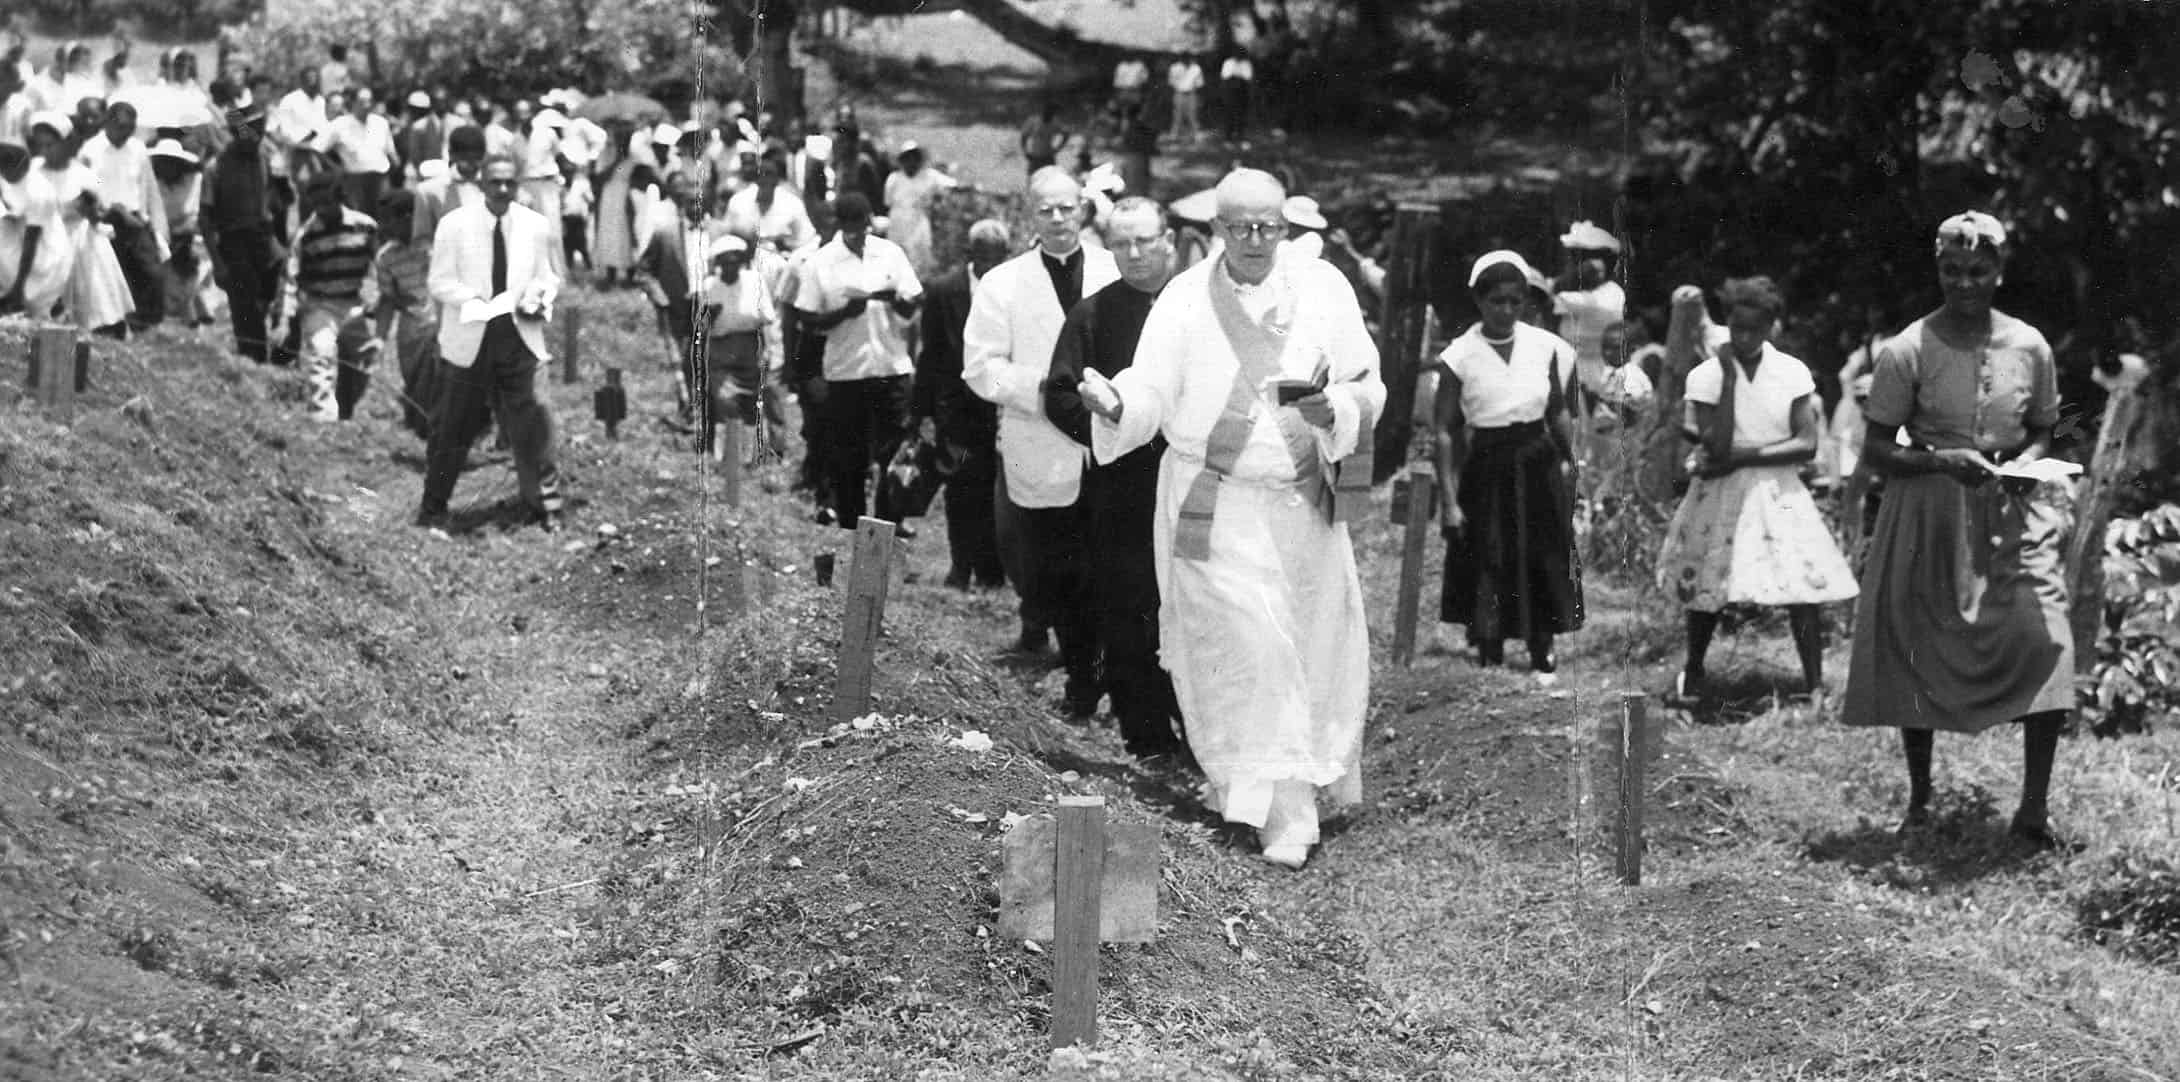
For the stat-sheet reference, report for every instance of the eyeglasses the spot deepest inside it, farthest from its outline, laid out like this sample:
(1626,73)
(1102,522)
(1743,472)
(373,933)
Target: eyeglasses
(1058,210)
(1254,231)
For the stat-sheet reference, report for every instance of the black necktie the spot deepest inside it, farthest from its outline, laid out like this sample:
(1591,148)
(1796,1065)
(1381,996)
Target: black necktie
(499,255)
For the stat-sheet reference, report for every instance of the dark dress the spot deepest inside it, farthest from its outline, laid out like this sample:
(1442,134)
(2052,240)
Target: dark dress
(1513,571)
(1962,623)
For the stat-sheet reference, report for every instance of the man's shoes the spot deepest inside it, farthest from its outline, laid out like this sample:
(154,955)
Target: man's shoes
(548,521)
(1080,707)
(957,579)
(905,531)
(826,517)
(1035,638)
(433,520)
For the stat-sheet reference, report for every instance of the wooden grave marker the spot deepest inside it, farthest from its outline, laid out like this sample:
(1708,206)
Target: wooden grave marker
(727,455)
(610,403)
(1632,751)
(59,369)
(869,577)
(571,340)
(1078,881)
(1415,501)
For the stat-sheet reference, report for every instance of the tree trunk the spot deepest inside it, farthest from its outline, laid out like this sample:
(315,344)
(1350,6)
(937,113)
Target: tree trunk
(779,82)
(1069,56)
(1663,452)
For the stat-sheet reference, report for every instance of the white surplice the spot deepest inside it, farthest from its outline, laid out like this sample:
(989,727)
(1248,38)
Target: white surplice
(1266,639)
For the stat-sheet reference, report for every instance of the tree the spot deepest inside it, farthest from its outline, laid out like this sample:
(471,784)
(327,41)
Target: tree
(1821,141)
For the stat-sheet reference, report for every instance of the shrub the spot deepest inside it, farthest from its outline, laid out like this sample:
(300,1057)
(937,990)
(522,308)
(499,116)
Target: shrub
(2137,671)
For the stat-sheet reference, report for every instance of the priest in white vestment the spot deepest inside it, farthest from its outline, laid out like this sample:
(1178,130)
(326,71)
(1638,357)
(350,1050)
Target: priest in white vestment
(1261,614)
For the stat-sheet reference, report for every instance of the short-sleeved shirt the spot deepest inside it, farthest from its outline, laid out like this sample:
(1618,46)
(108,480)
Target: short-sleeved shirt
(741,308)
(1951,395)
(1500,391)
(1587,312)
(1763,404)
(873,344)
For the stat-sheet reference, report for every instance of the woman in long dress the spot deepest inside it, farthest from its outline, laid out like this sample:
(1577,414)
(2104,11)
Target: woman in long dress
(910,192)
(1963,621)
(613,240)
(35,256)
(1748,531)
(98,293)
(1505,470)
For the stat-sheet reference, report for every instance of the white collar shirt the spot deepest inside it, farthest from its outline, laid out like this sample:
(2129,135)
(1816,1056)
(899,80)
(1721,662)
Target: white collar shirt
(873,344)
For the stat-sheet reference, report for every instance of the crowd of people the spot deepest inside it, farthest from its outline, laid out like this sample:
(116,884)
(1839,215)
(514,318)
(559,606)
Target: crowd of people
(1138,414)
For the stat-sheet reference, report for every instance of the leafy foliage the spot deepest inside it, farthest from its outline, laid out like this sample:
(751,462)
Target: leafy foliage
(160,18)
(1820,141)
(2137,673)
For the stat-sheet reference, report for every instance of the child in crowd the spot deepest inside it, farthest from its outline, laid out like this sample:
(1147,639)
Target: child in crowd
(1625,394)
(743,344)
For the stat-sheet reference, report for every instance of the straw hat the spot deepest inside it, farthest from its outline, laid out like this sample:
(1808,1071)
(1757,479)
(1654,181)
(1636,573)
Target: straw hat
(172,148)
(1587,236)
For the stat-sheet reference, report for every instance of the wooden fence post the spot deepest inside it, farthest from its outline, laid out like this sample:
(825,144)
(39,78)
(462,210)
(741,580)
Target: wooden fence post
(56,371)
(1403,329)
(1422,501)
(1080,875)
(869,577)
(1628,823)
(571,340)
(2109,472)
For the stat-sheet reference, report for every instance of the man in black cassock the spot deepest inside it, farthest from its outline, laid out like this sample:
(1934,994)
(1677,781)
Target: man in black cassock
(1122,497)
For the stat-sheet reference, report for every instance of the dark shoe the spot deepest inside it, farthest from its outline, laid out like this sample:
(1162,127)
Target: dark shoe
(2036,833)
(433,520)
(1916,821)
(1079,708)
(826,517)
(957,580)
(904,531)
(1688,689)
(548,521)
(1035,639)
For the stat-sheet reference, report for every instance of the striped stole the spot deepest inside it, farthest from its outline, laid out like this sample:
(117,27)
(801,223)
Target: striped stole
(1259,349)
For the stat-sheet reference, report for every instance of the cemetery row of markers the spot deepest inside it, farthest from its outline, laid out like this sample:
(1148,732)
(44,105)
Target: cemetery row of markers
(1070,878)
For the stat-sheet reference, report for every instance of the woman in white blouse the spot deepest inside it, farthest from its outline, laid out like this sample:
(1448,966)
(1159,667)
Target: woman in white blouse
(1748,532)
(1502,443)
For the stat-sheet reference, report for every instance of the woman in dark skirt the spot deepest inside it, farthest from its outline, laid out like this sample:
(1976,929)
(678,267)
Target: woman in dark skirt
(1962,624)
(1501,435)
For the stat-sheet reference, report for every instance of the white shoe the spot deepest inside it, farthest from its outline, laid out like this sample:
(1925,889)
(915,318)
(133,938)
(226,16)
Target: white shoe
(1287,856)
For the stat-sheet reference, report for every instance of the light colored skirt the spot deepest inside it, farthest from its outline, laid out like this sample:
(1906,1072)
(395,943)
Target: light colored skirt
(98,293)
(1752,537)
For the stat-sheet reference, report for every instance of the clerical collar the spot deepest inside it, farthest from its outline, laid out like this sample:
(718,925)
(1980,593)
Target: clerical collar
(1062,260)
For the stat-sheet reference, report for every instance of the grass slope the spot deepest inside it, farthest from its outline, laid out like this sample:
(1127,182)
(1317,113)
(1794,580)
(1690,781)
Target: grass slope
(294,790)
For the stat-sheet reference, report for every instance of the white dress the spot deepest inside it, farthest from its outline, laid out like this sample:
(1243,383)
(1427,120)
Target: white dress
(908,207)
(1753,536)
(31,204)
(98,293)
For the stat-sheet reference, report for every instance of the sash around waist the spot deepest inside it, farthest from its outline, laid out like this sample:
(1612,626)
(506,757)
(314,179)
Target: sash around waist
(1269,484)
(1507,435)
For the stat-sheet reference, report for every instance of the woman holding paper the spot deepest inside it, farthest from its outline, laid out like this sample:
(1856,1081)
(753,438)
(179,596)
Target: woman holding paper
(1963,620)
(1748,531)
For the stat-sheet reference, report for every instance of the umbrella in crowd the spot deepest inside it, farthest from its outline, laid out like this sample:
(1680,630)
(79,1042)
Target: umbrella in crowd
(621,105)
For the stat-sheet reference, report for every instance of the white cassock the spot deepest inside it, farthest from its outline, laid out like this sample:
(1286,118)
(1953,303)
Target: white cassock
(1263,630)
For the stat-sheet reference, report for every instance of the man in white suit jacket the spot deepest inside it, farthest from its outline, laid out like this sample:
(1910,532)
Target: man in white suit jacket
(492,274)
(1014,321)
